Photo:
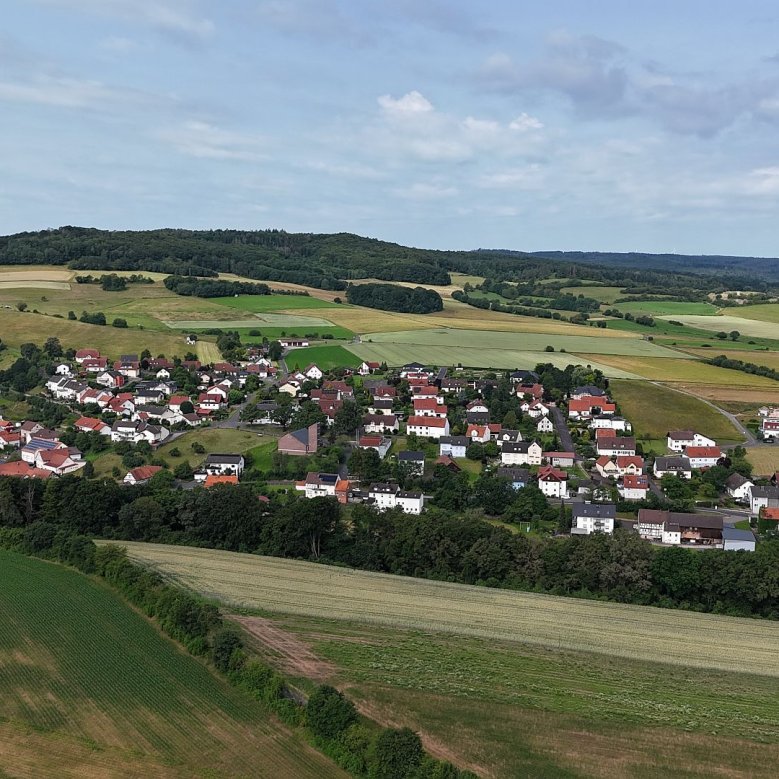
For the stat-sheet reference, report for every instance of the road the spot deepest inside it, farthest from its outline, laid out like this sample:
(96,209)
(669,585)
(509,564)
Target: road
(563,433)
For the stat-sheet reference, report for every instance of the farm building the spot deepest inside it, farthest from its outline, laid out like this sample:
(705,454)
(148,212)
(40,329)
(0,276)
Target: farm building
(734,540)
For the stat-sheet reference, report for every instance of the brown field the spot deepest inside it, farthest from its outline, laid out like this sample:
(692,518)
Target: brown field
(764,459)
(686,371)
(35,273)
(758,357)
(728,393)
(33,284)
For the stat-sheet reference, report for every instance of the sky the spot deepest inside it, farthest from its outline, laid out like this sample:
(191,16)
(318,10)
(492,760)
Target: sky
(596,126)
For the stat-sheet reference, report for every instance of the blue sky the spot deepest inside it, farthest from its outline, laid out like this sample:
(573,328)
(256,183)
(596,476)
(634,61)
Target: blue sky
(649,126)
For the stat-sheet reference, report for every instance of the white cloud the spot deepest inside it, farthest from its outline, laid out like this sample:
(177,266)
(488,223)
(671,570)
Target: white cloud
(425,191)
(62,92)
(411,103)
(525,122)
(530,177)
(207,141)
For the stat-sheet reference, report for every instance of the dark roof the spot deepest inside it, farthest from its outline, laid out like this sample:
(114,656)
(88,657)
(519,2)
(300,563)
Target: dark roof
(735,534)
(736,480)
(477,417)
(416,456)
(387,489)
(672,463)
(765,492)
(596,510)
(454,440)
(517,446)
(589,389)
(514,474)
(224,458)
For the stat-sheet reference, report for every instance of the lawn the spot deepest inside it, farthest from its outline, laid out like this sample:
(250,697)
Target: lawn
(213,439)
(309,589)
(261,457)
(89,687)
(261,303)
(326,357)
(654,410)
(686,371)
(764,459)
(667,307)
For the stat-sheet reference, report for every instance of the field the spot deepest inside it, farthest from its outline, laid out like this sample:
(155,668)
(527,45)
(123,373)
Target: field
(325,357)
(766,312)
(682,370)
(602,293)
(765,459)
(486,676)
(726,323)
(769,359)
(213,439)
(89,688)
(309,589)
(654,410)
(260,303)
(745,396)
(668,308)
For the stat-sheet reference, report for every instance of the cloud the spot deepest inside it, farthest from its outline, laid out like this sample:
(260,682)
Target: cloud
(207,141)
(411,103)
(426,191)
(525,122)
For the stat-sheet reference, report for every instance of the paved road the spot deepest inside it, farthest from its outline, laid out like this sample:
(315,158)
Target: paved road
(563,433)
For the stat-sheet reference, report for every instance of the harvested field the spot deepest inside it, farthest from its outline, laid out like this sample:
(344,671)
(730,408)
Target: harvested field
(729,393)
(759,357)
(5,284)
(764,459)
(654,410)
(207,352)
(293,587)
(726,323)
(764,312)
(90,688)
(35,273)
(257,320)
(260,303)
(683,371)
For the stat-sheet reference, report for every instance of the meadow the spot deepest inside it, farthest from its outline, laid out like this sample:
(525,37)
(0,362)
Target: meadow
(727,322)
(325,357)
(309,589)
(90,688)
(768,358)
(260,303)
(764,459)
(654,410)
(667,308)
(763,312)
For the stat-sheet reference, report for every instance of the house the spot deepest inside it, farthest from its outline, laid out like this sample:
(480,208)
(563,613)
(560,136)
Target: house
(141,475)
(617,445)
(763,497)
(290,388)
(94,365)
(86,354)
(607,467)
(28,429)
(738,487)
(380,423)
(521,453)
(630,464)
(545,425)
(381,444)
(10,439)
(390,496)
(588,518)
(366,368)
(634,487)
(91,425)
(427,427)
(323,485)
(590,406)
(672,466)
(530,391)
(453,446)
(300,442)
(536,409)
(381,406)
(679,440)
(23,470)
(560,459)
(769,426)
(429,407)
(477,417)
(413,461)
(313,372)
(265,413)
(176,401)
(128,365)
(224,464)
(522,377)
(505,436)
(137,430)
(211,401)
(703,456)
(448,463)
(519,477)
(588,391)
(477,406)
(111,379)
(735,540)
(213,479)
(670,527)
(99,397)
(617,424)
(34,445)
(293,343)
(479,434)
(553,482)
(59,461)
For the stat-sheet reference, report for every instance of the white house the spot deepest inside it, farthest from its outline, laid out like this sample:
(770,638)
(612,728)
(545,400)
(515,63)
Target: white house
(453,446)
(429,407)
(479,434)
(521,453)
(321,485)
(634,487)
(380,423)
(763,497)
(390,496)
(366,368)
(553,482)
(703,456)
(224,464)
(679,440)
(545,425)
(620,424)
(588,518)
(673,466)
(313,372)
(428,427)
(617,445)
(738,487)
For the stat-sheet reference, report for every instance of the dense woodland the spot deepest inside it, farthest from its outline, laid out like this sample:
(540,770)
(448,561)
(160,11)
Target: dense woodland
(213,288)
(329,261)
(392,297)
(439,544)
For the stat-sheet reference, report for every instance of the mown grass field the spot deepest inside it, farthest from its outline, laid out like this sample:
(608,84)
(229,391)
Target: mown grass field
(293,587)
(745,326)
(654,410)
(668,308)
(495,703)
(765,459)
(326,357)
(260,303)
(89,688)
(213,440)
(765,312)
(603,293)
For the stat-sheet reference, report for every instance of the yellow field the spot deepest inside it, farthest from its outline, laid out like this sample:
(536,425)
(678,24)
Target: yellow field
(637,632)
(735,394)
(32,284)
(207,352)
(758,357)
(764,459)
(35,273)
(690,371)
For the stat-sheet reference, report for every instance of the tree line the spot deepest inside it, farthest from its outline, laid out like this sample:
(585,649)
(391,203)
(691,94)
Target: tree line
(745,367)
(391,297)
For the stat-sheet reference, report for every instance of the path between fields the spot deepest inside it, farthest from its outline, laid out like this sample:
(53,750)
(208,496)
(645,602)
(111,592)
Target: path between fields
(295,657)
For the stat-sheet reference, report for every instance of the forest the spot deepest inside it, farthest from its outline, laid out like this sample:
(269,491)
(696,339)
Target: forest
(391,297)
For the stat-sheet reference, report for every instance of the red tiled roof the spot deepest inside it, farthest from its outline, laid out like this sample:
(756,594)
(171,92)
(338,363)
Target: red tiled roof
(427,421)
(213,480)
(24,470)
(144,472)
(703,451)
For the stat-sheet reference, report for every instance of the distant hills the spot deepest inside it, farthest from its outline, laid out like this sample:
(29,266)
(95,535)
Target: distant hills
(330,261)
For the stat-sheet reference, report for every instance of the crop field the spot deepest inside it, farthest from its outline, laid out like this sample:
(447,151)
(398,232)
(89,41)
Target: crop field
(207,352)
(89,688)
(764,459)
(602,293)
(765,312)
(686,371)
(326,357)
(668,308)
(35,273)
(726,323)
(401,353)
(654,410)
(309,589)
(32,284)
(494,703)
(260,303)
(755,396)
(759,357)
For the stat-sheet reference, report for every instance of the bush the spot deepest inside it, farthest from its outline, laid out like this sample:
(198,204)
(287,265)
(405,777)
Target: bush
(396,754)
(227,650)
(329,713)
(119,322)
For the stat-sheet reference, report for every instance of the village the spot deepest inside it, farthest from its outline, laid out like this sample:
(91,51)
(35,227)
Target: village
(392,437)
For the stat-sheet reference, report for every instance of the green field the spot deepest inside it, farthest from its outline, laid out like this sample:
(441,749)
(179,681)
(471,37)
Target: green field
(765,312)
(654,410)
(261,303)
(90,688)
(667,307)
(325,357)
(272,333)
(486,675)
(602,293)
(213,439)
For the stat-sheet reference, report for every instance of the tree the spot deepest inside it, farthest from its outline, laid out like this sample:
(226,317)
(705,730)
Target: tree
(722,335)
(347,419)
(365,464)
(226,645)
(494,494)
(329,713)
(734,335)
(396,754)
(187,408)
(53,348)
(183,471)
(119,322)
(275,350)
(21,306)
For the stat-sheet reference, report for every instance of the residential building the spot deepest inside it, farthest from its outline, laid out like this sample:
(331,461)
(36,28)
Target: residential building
(429,407)
(414,461)
(735,540)
(618,445)
(560,459)
(378,442)
(521,453)
(679,440)
(91,425)
(673,466)
(300,442)
(545,425)
(590,406)
(141,475)
(389,496)
(670,527)
(553,482)
(325,485)
(703,456)
(366,368)
(519,477)
(738,487)
(453,446)
(763,497)
(380,423)
(224,464)
(634,487)
(427,427)
(479,434)
(588,518)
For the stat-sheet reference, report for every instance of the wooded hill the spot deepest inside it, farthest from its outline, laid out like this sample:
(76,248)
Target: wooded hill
(329,261)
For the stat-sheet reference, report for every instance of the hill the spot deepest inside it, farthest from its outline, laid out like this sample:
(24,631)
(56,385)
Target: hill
(90,688)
